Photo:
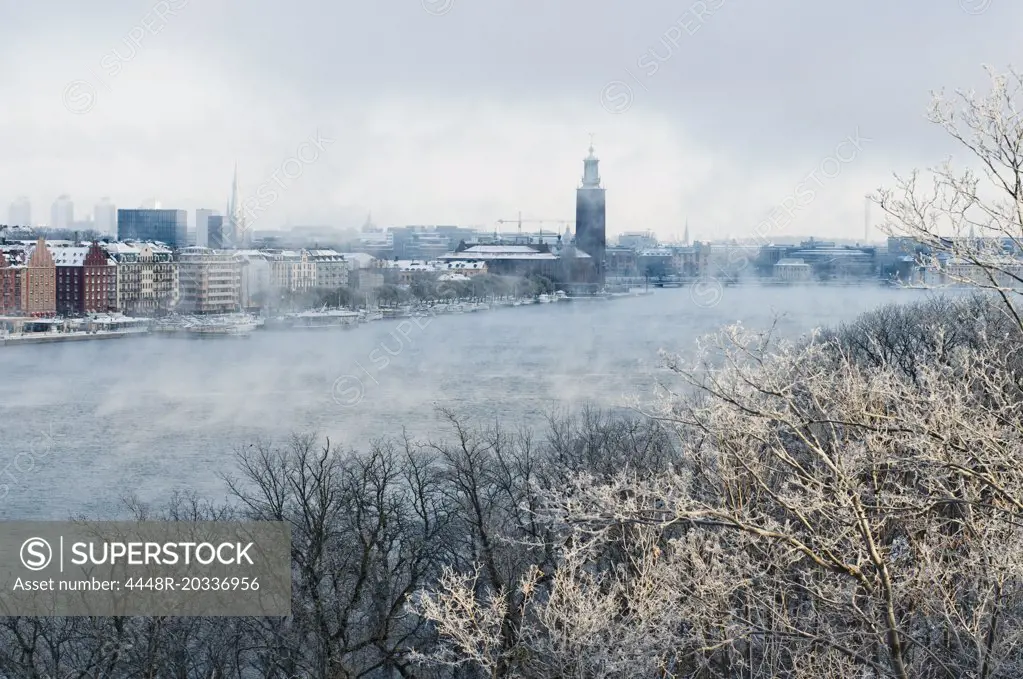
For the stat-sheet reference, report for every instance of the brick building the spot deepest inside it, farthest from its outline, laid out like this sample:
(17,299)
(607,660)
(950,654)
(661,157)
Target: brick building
(39,282)
(86,280)
(10,286)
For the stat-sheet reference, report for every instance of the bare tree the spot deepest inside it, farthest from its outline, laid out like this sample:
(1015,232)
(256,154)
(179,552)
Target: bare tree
(969,219)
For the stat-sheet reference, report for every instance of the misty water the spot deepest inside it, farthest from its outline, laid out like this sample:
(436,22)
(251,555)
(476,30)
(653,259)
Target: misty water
(85,424)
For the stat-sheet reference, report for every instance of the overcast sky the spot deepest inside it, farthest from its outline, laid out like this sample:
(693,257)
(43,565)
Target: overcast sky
(468,111)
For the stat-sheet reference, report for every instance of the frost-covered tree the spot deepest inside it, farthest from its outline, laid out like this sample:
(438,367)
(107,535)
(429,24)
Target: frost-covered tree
(833,512)
(967,216)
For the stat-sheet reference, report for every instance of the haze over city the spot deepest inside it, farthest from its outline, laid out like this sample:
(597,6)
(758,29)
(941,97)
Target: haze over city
(545,339)
(459,113)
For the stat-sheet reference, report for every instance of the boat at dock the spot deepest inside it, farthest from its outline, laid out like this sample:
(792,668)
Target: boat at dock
(324,319)
(235,326)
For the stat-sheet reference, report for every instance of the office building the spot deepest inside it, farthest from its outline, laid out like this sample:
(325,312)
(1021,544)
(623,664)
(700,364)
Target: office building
(215,232)
(163,226)
(202,234)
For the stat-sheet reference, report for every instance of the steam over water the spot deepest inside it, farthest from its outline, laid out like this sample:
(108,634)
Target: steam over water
(84,424)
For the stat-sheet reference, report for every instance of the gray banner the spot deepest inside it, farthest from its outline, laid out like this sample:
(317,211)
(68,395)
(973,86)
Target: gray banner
(151,568)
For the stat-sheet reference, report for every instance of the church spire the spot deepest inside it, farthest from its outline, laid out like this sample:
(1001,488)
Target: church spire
(685,237)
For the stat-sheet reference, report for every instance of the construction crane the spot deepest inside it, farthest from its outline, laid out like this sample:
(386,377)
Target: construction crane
(520,221)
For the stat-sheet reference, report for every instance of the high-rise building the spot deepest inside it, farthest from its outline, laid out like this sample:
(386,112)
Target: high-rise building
(163,226)
(590,222)
(202,234)
(20,212)
(104,218)
(215,232)
(62,213)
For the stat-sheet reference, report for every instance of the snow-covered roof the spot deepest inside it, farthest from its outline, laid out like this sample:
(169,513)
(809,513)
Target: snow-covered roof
(486,252)
(69,256)
(361,259)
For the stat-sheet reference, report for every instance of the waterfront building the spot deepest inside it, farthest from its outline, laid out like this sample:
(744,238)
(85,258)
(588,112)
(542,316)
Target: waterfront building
(104,218)
(331,269)
(169,227)
(147,278)
(62,213)
(10,285)
(39,281)
(20,212)
(694,260)
(836,261)
(86,279)
(638,240)
(621,262)
(292,270)
(255,286)
(510,260)
(209,281)
(590,220)
(658,262)
(792,270)
(365,279)
(1004,272)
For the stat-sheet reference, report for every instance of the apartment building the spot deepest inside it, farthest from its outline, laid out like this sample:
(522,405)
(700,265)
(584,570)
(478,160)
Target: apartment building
(147,277)
(209,281)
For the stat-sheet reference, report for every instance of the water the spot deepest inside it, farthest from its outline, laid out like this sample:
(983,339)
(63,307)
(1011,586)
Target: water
(84,424)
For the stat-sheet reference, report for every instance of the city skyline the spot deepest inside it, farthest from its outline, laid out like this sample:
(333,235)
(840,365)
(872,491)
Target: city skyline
(687,124)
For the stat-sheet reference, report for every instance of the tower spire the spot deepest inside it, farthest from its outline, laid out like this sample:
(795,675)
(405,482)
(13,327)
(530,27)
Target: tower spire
(685,237)
(591,176)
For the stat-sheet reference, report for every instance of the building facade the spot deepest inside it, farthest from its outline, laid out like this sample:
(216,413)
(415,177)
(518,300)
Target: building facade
(39,282)
(214,232)
(292,270)
(164,226)
(331,269)
(147,278)
(255,288)
(10,286)
(86,280)
(209,281)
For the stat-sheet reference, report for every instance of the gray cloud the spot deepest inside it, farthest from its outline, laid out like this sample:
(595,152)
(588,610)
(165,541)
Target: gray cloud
(474,114)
